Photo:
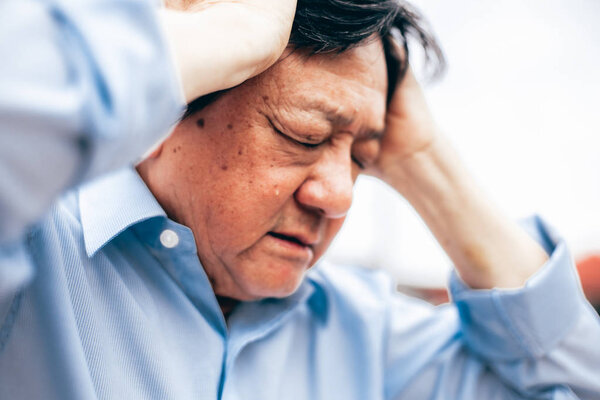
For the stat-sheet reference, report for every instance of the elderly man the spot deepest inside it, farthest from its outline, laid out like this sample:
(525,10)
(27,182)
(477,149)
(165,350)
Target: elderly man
(196,275)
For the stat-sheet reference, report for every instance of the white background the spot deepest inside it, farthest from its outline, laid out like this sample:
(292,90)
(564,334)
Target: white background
(520,101)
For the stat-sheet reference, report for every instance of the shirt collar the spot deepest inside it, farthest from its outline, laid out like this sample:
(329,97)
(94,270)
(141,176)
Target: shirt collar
(111,204)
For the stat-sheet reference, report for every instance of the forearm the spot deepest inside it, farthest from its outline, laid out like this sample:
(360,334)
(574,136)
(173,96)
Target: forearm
(488,249)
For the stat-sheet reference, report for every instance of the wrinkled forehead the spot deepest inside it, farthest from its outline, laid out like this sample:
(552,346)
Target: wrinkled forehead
(299,73)
(341,83)
(363,65)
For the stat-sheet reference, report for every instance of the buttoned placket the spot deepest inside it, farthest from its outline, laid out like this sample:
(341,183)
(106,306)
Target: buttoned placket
(174,246)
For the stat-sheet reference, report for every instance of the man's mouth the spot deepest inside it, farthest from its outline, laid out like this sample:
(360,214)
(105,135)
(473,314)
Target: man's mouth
(289,238)
(295,246)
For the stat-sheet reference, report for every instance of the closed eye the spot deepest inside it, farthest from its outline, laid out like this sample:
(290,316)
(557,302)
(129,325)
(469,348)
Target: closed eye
(307,145)
(357,162)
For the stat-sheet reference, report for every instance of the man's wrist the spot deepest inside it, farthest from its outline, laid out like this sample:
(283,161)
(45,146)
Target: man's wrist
(430,172)
(487,248)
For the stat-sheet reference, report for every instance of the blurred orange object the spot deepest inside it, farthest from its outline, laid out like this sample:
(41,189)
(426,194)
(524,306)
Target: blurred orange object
(589,271)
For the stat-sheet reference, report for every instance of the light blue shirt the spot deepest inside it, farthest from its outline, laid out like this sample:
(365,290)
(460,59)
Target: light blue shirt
(120,308)
(105,298)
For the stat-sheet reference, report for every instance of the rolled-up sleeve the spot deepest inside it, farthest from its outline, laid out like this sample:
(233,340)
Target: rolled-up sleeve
(536,342)
(85,87)
(540,338)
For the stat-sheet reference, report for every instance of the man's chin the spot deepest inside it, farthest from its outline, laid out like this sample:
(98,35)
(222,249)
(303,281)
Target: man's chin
(263,276)
(256,289)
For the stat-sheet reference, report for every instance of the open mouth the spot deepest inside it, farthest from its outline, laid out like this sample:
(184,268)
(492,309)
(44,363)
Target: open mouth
(291,239)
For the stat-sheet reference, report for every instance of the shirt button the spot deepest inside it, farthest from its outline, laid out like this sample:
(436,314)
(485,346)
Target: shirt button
(169,238)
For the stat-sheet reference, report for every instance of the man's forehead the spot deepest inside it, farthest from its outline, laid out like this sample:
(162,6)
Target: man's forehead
(337,85)
(367,60)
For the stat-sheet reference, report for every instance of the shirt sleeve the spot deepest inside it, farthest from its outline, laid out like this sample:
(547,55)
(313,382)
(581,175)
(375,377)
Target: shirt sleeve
(85,87)
(537,342)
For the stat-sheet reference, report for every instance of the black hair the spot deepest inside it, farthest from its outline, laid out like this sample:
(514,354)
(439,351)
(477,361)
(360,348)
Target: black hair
(333,26)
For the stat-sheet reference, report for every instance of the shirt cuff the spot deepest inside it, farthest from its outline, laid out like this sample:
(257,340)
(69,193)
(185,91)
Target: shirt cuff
(506,324)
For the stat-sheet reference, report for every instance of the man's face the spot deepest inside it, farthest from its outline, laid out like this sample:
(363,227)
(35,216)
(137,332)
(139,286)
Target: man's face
(263,176)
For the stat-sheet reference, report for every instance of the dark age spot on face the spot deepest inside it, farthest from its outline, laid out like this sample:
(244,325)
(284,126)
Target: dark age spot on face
(224,167)
(200,123)
(240,152)
(266,98)
(229,126)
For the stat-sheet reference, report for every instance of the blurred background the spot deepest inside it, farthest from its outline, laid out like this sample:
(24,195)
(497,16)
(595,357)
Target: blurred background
(520,101)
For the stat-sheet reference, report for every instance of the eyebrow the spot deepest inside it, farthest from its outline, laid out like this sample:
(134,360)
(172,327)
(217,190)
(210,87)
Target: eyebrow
(338,117)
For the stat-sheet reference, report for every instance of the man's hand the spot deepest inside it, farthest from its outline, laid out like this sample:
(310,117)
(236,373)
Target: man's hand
(218,44)
(487,249)
(410,130)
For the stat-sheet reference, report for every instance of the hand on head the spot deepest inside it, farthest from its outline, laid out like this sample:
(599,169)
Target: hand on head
(410,130)
(218,44)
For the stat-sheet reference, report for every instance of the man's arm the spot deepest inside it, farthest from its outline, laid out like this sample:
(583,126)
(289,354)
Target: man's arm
(87,87)
(488,249)
(529,333)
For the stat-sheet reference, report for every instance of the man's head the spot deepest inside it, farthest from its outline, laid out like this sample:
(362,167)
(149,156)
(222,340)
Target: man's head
(263,173)
(333,26)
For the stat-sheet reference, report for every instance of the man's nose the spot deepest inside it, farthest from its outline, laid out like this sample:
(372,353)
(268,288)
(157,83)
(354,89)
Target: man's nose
(328,188)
